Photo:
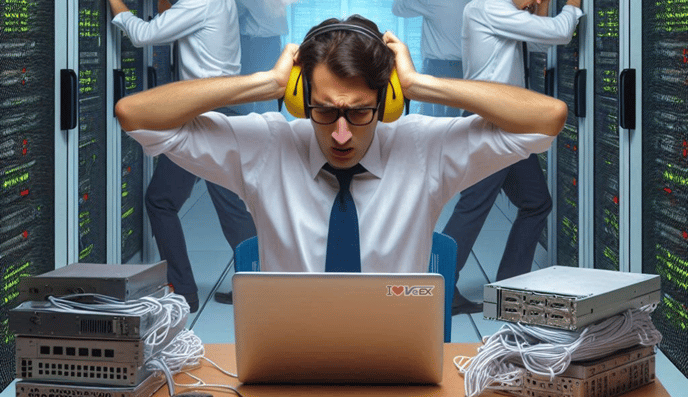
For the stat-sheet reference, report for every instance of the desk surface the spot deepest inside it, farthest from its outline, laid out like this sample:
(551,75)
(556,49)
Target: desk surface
(452,383)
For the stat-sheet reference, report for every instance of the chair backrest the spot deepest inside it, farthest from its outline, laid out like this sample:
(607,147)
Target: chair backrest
(442,261)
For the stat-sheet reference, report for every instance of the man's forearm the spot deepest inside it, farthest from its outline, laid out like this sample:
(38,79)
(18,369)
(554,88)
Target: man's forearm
(174,104)
(511,108)
(118,7)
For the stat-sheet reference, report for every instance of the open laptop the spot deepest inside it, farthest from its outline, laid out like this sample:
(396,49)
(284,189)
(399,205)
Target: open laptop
(339,327)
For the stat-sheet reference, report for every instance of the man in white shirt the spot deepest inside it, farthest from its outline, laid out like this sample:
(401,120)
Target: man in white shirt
(413,166)
(440,42)
(207,36)
(492,35)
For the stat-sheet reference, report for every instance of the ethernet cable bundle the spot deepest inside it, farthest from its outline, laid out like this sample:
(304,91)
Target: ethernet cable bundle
(90,343)
(608,357)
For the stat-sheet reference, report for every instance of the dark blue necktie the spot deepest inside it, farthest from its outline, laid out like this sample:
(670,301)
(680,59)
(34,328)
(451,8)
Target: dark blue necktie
(343,244)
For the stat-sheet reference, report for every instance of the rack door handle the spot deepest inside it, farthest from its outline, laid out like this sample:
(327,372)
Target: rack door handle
(549,82)
(579,80)
(120,85)
(152,77)
(627,99)
(69,99)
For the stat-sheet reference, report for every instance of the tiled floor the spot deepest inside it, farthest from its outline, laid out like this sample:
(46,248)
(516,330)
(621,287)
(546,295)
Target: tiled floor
(210,254)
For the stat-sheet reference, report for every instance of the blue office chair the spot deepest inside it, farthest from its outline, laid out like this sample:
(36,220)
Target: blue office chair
(442,261)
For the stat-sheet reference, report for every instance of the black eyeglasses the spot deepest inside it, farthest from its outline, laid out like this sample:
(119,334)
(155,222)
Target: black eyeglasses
(330,114)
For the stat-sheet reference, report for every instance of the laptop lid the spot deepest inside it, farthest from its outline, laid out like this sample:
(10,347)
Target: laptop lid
(338,327)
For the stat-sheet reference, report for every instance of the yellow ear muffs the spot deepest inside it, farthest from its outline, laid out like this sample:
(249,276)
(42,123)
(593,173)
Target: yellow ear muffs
(294,95)
(392,105)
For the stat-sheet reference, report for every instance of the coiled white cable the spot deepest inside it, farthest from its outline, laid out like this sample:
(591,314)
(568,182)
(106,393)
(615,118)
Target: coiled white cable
(169,312)
(549,352)
(182,353)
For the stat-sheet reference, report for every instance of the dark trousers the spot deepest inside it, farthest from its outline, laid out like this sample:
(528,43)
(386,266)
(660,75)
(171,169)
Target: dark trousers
(525,186)
(169,188)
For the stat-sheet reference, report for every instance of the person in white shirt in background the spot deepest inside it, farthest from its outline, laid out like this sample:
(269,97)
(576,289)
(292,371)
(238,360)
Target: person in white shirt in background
(492,36)
(440,44)
(207,36)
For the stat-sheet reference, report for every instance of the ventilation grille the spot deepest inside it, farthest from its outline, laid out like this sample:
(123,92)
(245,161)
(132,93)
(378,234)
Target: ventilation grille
(93,326)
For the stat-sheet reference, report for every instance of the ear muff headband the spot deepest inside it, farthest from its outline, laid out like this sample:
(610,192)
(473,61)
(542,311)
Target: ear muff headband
(297,93)
(342,26)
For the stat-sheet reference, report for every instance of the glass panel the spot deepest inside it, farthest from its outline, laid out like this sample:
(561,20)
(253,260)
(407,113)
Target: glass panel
(606,139)
(665,168)
(378,11)
(132,153)
(413,28)
(567,156)
(307,13)
(92,131)
(27,161)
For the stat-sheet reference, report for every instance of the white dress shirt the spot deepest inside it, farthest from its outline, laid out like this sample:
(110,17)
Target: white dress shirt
(493,31)
(207,32)
(441,35)
(262,18)
(415,165)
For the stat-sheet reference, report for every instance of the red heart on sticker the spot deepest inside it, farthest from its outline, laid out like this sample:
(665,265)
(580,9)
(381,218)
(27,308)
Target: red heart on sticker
(398,290)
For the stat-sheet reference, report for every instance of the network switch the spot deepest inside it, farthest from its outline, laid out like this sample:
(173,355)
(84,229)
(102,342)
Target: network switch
(124,282)
(146,388)
(39,318)
(567,297)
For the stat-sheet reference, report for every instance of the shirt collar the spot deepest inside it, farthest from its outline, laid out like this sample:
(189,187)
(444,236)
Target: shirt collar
(371,161)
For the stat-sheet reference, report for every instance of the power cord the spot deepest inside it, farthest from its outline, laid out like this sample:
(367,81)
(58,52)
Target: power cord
(548,352)
(182,354)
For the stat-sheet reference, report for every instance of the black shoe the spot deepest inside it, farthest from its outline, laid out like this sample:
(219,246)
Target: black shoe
(224,297)
(192,301)
(461,305)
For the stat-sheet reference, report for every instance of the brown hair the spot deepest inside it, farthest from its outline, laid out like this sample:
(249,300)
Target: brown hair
(348,52)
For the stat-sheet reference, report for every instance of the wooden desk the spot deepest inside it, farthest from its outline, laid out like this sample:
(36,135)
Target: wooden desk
(452,384)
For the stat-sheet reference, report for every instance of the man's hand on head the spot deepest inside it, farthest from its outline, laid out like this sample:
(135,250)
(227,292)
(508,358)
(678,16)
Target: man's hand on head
(282,69)
(403,62)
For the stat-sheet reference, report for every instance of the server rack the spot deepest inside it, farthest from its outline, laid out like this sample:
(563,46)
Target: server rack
(91,157)
(631,152)
(28,131)
(57,149)
(661,146)
(606,145)
(570,88)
